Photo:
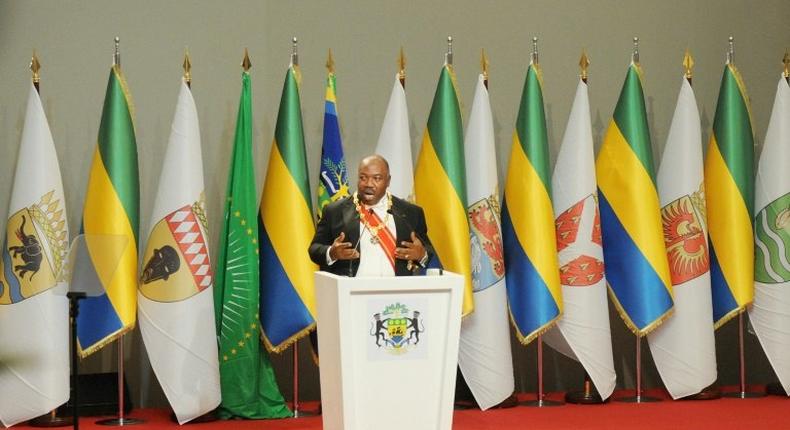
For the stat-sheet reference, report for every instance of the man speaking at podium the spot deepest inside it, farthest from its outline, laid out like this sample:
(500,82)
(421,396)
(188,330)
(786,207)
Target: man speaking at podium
(371,233)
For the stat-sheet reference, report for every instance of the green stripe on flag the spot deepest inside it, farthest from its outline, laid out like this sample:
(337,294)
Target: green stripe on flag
(733,130)
(446,133)
(531,126)
(289,135)
(118,148)
(631,118)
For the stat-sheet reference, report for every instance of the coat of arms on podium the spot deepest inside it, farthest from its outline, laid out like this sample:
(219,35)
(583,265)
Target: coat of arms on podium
(396,329)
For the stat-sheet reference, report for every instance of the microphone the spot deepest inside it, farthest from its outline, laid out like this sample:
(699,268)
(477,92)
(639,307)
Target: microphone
(356,247)
(426,243)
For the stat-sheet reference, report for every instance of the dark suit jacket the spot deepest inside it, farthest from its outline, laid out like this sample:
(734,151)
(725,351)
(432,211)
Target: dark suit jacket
(341,216)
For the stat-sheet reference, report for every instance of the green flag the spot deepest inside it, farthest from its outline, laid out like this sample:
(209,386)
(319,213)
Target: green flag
(249,389)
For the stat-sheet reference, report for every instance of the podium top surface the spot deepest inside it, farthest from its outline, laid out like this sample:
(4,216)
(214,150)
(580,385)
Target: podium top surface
(431,281)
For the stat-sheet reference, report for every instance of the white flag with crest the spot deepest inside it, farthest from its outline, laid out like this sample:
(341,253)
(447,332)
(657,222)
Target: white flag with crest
(34,313)
(395,143)
(484,354)
(175,296)
(583,331)
(770,312)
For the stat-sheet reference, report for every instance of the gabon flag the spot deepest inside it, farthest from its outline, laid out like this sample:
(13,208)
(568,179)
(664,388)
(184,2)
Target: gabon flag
(635,258)
(440,183)
(729,179)
(333,175)
(528,231)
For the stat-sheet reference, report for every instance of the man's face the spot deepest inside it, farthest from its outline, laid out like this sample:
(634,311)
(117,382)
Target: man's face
(374,178)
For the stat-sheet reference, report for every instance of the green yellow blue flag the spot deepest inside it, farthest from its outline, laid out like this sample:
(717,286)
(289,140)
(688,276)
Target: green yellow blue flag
(635,259)
(729,183)
(286,229)
(440,183)
(528,230)
(333,177)
(110,223)
(249,389)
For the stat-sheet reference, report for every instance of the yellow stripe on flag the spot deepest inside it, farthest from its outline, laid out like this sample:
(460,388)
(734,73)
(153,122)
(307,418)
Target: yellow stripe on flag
(731,231)
(448,227)
(290,244)
(110,242)
(623,179)
(529,206)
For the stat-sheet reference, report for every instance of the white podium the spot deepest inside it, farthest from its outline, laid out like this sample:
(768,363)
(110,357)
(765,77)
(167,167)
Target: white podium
(389,350)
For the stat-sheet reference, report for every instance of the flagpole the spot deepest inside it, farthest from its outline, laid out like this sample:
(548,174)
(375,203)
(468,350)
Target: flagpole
(120,420)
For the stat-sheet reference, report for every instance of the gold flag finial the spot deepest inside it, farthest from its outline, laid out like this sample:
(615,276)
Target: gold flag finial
(35,66)
(187,68)
(534,58)
(688,64)
(635,53)
(116,56)
(484,66)
(448,56)
(294,51)
(731,50)
(584,65)
(246,64)
(786,62)
(402,68)
(330,62)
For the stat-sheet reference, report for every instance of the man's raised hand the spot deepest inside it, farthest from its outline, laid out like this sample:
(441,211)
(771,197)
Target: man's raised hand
(340,250)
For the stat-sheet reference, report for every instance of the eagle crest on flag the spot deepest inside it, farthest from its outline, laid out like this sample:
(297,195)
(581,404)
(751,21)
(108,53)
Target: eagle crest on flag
(583,270)
(685,237)
(177,267)
(772,228)
(488,261)
(34,251)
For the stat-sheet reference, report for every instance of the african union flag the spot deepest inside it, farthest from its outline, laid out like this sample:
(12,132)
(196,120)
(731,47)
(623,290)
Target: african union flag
(110,222)
(729,183)
(286,230)
(333,177)
(533,274)
(633,241)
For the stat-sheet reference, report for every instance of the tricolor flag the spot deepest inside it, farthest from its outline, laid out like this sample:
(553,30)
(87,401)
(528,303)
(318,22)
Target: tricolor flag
(729,183)
(110,223)
(34,312)
(633,244)
(395,143)
(333,175)
(484,352)
(684,348)
(249,388)
(175,298)
(770,313)
(440,183)
(583,331)
(286,229)
(533,280)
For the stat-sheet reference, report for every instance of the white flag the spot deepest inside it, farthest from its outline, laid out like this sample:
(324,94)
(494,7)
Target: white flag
(583,331)
(34,314)
(484,351)
(770,313)
(683,347)
(395,143)
(175,297)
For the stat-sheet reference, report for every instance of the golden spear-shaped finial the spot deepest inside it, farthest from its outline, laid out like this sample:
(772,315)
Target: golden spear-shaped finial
(402,68)
(330,62)
(116,55)
(786,62)
(294,52)
(534,58)
(448,56)
(35,66)
(187,69)
(484,66)
(688,64)
(245,63)
(584,65)
(731,50)
(635,53)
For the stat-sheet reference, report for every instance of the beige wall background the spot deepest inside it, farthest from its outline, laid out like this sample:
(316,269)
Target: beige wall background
(74,40)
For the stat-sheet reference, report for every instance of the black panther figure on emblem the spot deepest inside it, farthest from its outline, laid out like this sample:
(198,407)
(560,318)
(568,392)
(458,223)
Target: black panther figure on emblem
(30,250)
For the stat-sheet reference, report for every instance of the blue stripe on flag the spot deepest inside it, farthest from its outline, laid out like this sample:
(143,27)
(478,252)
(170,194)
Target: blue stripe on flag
(282,312)
(630,275)
(330,108)
(723,300)
(97,319)
(531,303)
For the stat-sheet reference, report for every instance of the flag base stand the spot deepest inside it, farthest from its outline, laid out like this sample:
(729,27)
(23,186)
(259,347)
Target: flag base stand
(638,397)
(589,396)
(710,393)
(775,389)
(121,420)
(540,401)
(50,420)
(742,393)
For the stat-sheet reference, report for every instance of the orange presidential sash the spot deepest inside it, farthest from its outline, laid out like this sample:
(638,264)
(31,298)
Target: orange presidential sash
(380,234)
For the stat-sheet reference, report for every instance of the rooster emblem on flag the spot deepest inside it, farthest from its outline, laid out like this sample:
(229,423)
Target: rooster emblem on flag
(685,237)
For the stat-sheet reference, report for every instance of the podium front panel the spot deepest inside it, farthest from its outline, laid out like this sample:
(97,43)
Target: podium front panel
(389,349)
